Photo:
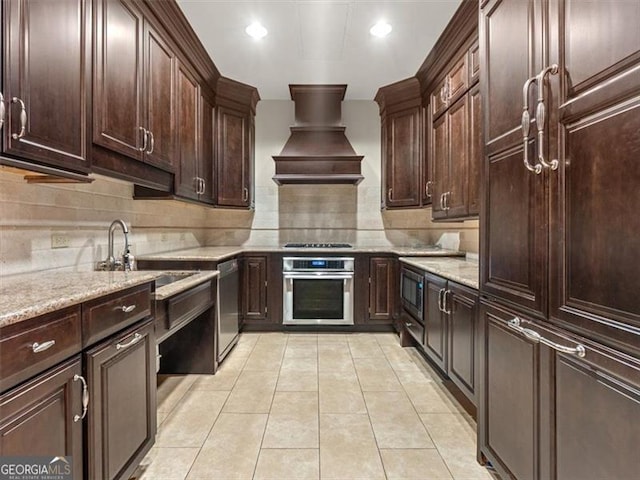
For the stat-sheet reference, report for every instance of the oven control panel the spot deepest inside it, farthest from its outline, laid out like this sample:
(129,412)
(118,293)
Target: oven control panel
(311,264)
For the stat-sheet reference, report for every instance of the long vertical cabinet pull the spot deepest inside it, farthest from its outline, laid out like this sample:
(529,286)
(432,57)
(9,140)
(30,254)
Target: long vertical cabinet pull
(526,125)
(23,119)
(151,142)
(541,116)
(145,139)
(2,110)
(85,398)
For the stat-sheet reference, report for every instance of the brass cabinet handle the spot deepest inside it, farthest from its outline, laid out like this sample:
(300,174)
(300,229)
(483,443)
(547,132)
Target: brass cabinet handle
(245,194)
(127,308)
(441,300)
(196,181)
(446,201)
(203,186)
(389,193)
(2,110)
(41,347)
(442,201)
(151,141)
(136,338)
(515,324)
(85,398)
(526,125)
(541,116)
(427,189)
(23,119)
(145,138)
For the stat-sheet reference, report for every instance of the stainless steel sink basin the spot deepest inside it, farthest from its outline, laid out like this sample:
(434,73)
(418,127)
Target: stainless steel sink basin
(170,278)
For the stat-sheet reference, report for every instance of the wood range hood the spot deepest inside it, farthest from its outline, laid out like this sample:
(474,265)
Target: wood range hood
(318,150)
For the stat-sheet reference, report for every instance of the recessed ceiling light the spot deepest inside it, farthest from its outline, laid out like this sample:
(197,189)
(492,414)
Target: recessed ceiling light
(256,30)
(380,29)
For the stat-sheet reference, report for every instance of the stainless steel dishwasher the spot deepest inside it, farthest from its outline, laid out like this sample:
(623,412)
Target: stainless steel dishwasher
(227,307)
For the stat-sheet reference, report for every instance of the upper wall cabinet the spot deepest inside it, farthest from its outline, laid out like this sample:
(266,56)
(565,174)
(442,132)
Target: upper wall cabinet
(134,104)
(456,148)
(405,171)
(46,83)
(235,105)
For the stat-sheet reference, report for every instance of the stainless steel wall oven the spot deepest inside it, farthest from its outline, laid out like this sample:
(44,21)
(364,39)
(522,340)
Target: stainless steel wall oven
(318,290)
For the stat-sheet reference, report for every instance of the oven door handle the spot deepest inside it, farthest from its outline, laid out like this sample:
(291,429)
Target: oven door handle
(317,276)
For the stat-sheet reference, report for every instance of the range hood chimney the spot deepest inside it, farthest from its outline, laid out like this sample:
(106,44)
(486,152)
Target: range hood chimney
(318,151)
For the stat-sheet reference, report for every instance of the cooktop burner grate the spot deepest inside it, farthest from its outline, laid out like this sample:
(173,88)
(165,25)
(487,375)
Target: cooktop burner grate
(318,245)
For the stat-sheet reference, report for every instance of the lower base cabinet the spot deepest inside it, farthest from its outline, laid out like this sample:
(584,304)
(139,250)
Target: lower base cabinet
(553,405)
(42,416)
(122,419)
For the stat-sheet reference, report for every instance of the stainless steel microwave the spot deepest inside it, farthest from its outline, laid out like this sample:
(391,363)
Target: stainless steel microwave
(411,292)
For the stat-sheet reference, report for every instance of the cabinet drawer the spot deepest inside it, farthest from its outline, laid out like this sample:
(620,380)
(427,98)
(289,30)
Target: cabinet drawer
(414,327)
(31,347)
(187,305)
(107,315)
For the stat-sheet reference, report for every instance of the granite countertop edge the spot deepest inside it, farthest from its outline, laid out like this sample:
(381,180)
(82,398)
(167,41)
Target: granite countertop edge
(31,295)
(217,254)
(458,270)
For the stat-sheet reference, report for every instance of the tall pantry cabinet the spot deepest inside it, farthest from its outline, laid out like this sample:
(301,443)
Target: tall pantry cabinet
(560,317)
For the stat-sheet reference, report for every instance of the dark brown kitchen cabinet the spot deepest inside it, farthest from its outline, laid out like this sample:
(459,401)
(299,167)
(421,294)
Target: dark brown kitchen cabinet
(254,289)
(188,182)
(451,87)
(42,416)
(382,292)
(405,173)
(435,320)
(121,374)
(578,402)
(206,152)
(462,306)
(509,404)
(46,75)
(551,243)
(160,97)
(235,129)
(134,105)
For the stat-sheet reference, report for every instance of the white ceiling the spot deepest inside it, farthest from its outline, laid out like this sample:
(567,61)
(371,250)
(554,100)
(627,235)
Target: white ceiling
(318,41)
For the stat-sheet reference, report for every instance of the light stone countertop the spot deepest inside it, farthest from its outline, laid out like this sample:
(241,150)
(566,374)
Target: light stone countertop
(30,295)
(217,254)
(459,270)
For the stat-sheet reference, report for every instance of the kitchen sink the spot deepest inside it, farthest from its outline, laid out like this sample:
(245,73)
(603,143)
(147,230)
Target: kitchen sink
(170,278)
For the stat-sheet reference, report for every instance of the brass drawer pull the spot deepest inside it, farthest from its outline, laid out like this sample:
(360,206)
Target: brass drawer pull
(41,347)
(136,338)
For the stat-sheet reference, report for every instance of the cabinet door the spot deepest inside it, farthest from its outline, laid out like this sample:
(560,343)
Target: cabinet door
(457,79)
(118,114)
(187,179)
(37,418)
(160,94)
(514,219)
(509,396)
(121,374)
(463,319)
(404,160)
(48,69)
(597,414)
(440,163)
(381,289)
(438,99)
(234,150)
(476,149)
(435,321)
(254,288)
(594,279)
(427,168)
(206,152)
(456,201)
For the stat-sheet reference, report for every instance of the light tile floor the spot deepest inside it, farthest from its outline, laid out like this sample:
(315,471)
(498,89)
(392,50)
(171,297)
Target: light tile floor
(311,407)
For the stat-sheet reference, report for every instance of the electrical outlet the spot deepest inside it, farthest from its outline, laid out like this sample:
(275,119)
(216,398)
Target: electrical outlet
(60,240)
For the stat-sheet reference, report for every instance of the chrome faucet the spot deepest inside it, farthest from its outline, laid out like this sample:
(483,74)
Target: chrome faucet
(111,263)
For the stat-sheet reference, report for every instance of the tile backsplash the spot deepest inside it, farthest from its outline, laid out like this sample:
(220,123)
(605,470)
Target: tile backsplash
(80,214)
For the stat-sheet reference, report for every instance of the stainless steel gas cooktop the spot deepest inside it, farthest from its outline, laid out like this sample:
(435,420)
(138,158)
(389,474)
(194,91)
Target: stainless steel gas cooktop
(318,245)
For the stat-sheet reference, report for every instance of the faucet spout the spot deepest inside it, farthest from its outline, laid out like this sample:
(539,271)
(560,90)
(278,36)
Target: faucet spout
(112,263)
